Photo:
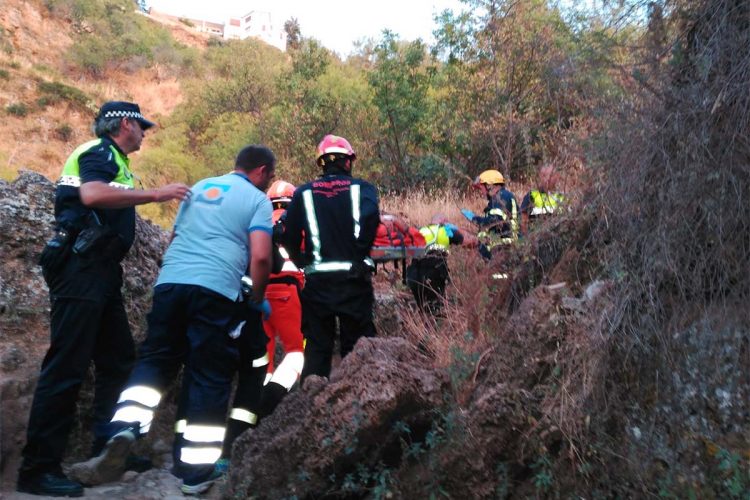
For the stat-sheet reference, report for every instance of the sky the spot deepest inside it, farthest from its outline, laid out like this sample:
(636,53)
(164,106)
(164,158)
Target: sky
(336,23)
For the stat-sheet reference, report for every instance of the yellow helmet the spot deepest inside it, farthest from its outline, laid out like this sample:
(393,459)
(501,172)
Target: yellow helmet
(490,177)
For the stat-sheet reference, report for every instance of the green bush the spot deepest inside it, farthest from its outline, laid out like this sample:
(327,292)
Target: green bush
(117,38)
(53,92)
(4,74)
(186,22)
(17,109)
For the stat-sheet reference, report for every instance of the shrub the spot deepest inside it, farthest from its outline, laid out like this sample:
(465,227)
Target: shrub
(186,22)
(53,92)
(64,132)
(17,109)
(4,74)
(215,41)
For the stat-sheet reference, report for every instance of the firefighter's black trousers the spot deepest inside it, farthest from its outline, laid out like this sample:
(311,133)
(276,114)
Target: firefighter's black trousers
(88,322)
(326,296)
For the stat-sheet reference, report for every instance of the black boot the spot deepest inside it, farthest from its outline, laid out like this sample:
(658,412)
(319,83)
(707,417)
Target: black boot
(53,484)
(272,395)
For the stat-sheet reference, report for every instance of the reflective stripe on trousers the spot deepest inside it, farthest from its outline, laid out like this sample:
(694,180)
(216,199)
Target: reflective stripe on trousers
(138,405)
(202,444)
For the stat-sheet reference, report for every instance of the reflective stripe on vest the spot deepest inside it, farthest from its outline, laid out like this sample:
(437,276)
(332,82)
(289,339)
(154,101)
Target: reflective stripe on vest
(71,175)
(307,197)
(354,191)
(318,266)
(288,264)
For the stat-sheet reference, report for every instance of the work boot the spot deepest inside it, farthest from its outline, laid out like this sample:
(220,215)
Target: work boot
(110,464)
(272,395)
(136,463)
(52,484)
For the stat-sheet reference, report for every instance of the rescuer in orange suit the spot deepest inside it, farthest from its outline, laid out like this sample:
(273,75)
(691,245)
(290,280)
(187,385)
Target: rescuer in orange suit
(283,293)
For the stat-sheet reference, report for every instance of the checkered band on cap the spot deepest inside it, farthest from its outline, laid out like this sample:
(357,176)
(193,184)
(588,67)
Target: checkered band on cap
(124,114)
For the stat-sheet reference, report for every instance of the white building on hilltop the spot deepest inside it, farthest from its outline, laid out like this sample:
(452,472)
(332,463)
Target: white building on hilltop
(256,24)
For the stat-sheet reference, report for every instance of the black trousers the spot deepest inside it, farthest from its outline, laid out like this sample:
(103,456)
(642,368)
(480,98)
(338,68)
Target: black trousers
(251,345)
(88,322)
(427,278)
(190,325)
(325,297)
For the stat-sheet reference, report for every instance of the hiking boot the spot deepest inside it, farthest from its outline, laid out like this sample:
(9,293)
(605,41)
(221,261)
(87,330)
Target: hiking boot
(52,484)
(196,486)
(110,464)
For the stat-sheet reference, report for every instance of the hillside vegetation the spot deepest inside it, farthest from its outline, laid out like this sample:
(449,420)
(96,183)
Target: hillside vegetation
(613,361)
(508,87)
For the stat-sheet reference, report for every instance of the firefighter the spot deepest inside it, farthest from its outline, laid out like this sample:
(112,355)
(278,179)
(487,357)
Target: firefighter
(543,201)
(499,224)
(224,227)
(428,275)
(337,216)
(95,204)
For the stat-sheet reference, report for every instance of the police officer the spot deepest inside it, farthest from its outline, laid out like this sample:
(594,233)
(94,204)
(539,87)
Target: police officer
(338,216)
(95,219)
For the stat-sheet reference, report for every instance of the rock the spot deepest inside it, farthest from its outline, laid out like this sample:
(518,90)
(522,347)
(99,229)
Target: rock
(573,305)
(320,434)
(26,222)
(594,290)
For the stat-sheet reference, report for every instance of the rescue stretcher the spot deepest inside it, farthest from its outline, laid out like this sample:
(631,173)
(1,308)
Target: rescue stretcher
(397,255)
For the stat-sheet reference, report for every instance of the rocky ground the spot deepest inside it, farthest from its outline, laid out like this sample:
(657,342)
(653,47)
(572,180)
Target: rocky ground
(532,398)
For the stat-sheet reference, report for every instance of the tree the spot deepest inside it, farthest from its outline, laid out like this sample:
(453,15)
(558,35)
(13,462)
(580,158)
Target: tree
(400,81)
(293,34)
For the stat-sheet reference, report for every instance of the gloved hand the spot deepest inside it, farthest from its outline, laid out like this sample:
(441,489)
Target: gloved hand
(468,214)
(263,307)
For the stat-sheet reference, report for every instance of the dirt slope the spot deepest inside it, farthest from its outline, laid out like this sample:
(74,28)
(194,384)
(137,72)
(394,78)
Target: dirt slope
(32,50)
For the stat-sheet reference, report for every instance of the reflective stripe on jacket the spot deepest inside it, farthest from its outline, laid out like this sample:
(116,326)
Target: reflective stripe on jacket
(71,171)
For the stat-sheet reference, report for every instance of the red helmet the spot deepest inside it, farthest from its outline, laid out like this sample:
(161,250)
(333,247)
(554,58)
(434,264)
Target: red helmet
(333,144)
(281,191)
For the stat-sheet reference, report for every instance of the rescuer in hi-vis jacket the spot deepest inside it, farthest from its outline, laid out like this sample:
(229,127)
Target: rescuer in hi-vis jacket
(540,203)
(499,224)
(95,204)
(337,216)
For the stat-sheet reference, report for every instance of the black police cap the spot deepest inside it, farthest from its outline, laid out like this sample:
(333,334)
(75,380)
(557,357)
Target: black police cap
(122,109)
